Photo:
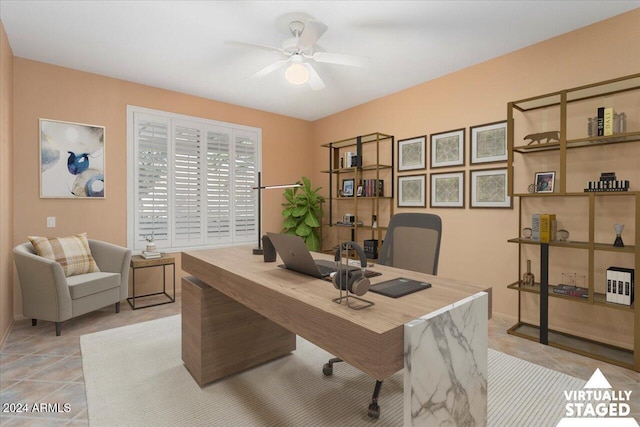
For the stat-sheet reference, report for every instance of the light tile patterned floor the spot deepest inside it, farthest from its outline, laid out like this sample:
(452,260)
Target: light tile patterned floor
(38,367)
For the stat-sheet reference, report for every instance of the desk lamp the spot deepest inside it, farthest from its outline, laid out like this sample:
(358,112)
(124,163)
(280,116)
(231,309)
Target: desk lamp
(260,187)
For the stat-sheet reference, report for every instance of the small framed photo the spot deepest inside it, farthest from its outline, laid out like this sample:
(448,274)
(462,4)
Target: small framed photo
(411,191)
(545,182)
(360,192)
(447,149)
(447,190)
(347,187)
(411,153)
(489,143)
(488,188)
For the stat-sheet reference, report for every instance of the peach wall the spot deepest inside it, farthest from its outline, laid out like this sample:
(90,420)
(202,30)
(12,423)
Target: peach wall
(6,185)
(474,245)
(47,91)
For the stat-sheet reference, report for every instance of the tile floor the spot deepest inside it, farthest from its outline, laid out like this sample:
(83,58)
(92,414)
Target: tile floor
(37,366)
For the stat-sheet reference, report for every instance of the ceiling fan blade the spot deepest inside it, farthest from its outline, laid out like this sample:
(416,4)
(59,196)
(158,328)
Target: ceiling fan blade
(338,58)
(258,46)
(313,30)
(270,68)
(315,81)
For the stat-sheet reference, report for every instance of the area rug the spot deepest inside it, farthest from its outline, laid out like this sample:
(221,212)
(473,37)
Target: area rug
(134,376)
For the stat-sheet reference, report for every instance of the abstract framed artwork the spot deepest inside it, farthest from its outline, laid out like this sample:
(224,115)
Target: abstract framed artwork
(411,191)
(488,188)
(447,190)
(72,160)
(544,182)
(489,143)
(447,149)
(411,153)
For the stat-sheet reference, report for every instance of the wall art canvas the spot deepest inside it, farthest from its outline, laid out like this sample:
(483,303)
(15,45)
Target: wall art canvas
(489,143)
(411,153)
(447,149)
(447,190)
(71,160)
(489,189)
(411,191)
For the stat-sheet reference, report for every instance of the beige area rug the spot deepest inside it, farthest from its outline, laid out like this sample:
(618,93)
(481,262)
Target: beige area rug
(134,376)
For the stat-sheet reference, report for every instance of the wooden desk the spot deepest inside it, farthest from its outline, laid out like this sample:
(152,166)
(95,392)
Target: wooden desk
(370,339)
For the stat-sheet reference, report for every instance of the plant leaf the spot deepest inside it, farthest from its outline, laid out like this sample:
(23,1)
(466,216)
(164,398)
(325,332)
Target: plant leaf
(312,242)
(303,230)
(290,223)
(311,220)
(300,211)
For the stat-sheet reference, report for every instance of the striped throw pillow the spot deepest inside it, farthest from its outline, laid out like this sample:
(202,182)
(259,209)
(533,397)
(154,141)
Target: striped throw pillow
(73,253)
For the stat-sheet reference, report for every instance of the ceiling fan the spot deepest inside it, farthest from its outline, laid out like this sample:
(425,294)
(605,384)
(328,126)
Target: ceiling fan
(300,50)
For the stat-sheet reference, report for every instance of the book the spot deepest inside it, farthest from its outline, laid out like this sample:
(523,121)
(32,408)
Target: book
(609,294)
(600,125)
(535,227)
(622,285)
(608,121)
(570,290)
(151,254)
(547,228)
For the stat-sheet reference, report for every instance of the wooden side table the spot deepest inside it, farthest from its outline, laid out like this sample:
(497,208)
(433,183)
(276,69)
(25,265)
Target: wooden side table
(138,262)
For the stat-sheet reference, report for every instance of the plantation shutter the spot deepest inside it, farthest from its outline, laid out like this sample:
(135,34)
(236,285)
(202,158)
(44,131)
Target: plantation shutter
(219,186)
(245,178)
(152,187)
(187,185)
(190,181)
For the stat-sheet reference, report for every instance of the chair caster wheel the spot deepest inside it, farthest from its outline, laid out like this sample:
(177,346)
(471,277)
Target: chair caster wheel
(374,411)
(327,370)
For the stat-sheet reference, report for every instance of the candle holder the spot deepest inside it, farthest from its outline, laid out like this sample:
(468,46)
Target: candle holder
(618,242)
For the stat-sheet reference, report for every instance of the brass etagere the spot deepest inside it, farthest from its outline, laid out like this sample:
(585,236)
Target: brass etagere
(541,333)
(367,167)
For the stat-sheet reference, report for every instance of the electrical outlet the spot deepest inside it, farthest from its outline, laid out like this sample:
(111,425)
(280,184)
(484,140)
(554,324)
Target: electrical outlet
(51,221)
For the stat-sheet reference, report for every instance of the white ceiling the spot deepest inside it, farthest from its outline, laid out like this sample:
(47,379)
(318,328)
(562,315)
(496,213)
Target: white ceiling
(179,45)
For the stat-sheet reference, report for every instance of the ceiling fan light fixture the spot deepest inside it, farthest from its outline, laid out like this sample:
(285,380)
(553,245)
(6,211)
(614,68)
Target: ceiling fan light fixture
(296,74)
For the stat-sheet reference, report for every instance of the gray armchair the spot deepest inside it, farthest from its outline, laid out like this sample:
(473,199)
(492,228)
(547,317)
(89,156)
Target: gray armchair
(48,295)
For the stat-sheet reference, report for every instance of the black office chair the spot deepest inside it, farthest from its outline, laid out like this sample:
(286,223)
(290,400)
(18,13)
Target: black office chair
(412,242)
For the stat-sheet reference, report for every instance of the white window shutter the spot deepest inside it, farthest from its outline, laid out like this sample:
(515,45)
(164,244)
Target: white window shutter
(245,178)
(187,185)
(218,186)
(191,181)
(152,195)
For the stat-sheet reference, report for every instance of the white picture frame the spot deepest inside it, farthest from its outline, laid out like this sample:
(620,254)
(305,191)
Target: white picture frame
(72,160)
(447,190)
(411,153)
(411,191)
(447,149)
(489,143)
(545,182)
(488,188)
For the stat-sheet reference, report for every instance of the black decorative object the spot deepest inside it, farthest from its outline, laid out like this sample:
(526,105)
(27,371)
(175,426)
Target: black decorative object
(618,242)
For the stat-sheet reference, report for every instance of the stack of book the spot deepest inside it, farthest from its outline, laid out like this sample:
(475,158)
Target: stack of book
(151,254)
(607,182)
(373,187)
(620,285)
(574,291)
(543,227)
(607,122)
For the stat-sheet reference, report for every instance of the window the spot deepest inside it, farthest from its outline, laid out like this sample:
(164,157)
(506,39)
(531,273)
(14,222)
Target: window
(190,181)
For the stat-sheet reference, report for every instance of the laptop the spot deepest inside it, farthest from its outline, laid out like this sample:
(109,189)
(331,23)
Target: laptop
(296,256)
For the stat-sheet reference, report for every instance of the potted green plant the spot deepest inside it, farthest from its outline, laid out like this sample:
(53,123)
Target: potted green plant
(302,213)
